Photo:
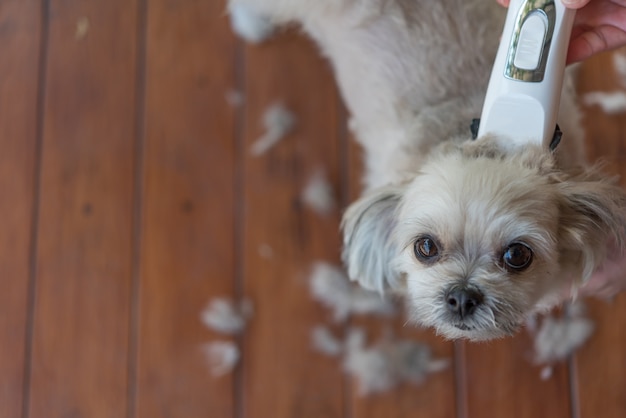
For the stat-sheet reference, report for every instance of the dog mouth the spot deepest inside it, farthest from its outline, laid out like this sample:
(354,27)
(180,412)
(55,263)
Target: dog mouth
(478,323)
(486,322)
(480,332)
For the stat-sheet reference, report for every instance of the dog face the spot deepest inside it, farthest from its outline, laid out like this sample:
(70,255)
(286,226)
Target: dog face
(481,238)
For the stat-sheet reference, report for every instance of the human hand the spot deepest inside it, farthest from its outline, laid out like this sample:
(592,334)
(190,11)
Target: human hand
(599,25)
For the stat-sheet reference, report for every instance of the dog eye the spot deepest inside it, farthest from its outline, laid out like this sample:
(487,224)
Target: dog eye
(517,257)
(426,249)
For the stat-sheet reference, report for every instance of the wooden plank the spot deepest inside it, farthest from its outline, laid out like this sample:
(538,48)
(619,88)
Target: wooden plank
(20,33)
(189,211)
(84,252)
(600,364)
(501,381)
(283,376)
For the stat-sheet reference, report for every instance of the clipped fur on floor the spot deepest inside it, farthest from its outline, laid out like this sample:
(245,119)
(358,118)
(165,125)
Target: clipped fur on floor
(559,337)
(325,342)
(224,316)
(381,366)
(249,23)
(278,121)
(318,194)
(330,286)
(222,357)
(611,103)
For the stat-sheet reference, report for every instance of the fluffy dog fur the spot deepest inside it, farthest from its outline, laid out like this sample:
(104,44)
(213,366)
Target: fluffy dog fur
(413,74)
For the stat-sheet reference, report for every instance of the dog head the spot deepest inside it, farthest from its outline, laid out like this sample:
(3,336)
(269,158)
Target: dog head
(482,237)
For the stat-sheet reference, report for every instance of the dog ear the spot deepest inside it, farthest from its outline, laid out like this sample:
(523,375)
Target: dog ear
(593,218)
(368,226)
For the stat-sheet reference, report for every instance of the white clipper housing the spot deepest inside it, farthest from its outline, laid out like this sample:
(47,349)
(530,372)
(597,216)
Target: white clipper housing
(524,91)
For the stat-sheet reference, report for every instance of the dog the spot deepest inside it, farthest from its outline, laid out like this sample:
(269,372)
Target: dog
(478,235)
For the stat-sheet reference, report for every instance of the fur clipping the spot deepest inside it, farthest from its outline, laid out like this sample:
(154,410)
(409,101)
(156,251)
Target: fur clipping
(330,286)
(222,315)
(278,122)
(235,98)
(611,103)
(558,338)
(384,365)
(222,357)
(325,342)
(318,194)
(248,23)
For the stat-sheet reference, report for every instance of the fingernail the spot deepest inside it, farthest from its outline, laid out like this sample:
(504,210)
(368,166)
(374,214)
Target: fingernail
(574,4)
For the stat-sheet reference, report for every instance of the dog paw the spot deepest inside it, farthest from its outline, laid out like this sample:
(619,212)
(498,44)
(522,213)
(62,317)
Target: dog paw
(248,23)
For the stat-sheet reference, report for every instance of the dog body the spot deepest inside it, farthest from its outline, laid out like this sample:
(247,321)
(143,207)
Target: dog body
(477,234)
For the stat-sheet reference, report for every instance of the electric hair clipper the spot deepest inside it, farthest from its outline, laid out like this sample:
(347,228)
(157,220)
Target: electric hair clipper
(523,96)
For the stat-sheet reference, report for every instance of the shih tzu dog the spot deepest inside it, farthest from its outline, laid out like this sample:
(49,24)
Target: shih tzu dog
(477,234)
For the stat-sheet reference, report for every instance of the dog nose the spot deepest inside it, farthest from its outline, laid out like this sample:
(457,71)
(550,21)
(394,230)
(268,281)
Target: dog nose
(463,301)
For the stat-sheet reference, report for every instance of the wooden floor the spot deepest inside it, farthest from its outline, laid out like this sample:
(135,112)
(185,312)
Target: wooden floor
(129,199)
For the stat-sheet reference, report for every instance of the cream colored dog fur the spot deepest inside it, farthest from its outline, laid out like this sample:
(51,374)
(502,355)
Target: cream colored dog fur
(478,234)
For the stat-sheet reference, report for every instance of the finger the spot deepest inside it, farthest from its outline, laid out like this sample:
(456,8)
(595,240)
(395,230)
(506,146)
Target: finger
(574,4)
(504,3)
(594,41)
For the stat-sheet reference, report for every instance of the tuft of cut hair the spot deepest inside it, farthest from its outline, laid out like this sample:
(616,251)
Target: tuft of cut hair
(325,342)
(382,366)
(222,357)
(611,103)
(318,194)
(249,23)
(559,337)
(224,316)
(235,98)
(331,287)
(278,121)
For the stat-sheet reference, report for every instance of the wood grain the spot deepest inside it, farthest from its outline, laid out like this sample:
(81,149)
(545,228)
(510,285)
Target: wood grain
(604,134)
(502,381)
(20,34)
(142,201)
(81,327)
(189,207)
(283,376)
(600,364)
